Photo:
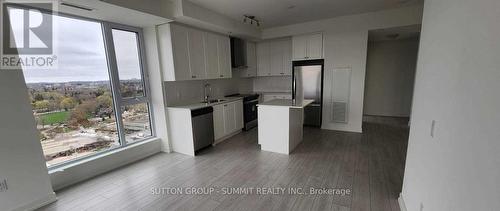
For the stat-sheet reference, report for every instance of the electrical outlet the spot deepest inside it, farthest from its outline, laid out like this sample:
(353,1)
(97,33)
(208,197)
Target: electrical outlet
(3,185)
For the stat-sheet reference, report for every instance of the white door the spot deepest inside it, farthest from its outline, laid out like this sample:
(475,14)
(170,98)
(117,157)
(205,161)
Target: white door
(211,60)
(276,57)
(180,50)
(315,46)
(229,123)
(238,114)
(299,46)
(263,59)
(218,121)
(224,53)
(196,54)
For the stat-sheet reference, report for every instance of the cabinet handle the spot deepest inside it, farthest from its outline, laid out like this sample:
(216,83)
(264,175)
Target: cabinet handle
(193,76)
(282,73)
(221,76)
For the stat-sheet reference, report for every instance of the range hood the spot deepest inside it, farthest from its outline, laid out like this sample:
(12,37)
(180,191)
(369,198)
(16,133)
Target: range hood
(238,53)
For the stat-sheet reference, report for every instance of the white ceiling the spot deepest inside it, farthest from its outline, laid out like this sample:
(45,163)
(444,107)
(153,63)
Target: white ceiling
(284,12)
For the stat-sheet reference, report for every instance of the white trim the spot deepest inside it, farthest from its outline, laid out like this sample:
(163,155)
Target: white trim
(50,198)
(401,202)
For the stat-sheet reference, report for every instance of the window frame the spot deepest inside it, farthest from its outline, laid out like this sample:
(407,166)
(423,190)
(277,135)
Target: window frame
(114,82)
(119,100)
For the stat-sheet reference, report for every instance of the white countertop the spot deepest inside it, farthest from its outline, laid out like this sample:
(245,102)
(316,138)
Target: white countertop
(193,106)
(286,103)
(274,92)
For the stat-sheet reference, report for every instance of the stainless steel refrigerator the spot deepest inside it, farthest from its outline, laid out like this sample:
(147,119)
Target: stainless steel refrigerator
(307,83)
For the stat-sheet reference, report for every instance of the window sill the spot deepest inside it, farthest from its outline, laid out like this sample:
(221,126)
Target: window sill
(72,164)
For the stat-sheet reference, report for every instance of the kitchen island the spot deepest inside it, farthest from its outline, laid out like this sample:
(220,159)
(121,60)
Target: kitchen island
(281,125)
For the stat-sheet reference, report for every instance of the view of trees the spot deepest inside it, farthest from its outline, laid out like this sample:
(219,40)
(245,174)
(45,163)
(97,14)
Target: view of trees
(82,100)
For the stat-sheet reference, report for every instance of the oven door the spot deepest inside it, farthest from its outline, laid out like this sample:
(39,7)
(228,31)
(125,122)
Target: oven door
(250,110)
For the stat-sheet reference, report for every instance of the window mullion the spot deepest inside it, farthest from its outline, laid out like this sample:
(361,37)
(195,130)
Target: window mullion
(115,81)
(146,79)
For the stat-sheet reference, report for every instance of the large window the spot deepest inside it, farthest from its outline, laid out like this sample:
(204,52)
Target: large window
(97,98)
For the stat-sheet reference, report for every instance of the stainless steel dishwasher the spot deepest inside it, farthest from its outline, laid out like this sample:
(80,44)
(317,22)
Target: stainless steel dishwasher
(203,127)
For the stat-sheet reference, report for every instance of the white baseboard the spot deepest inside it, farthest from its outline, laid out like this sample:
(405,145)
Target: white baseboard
(38,203)
(401,202)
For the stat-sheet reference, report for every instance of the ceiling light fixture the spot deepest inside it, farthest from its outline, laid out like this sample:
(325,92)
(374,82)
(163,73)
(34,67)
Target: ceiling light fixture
(251,19)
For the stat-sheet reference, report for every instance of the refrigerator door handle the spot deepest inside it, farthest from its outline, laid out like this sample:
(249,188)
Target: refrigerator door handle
(294,86)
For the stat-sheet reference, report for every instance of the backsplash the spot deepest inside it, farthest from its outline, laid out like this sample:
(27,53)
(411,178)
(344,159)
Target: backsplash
(272,84)
(185,92)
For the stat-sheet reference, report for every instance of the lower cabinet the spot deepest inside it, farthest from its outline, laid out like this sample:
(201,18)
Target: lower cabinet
(218,121)
(228,119)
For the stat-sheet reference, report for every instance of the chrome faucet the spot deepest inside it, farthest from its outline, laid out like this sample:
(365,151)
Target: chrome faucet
(206,94)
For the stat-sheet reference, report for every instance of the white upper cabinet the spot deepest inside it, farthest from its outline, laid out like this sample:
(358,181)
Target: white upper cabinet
(308,46)
(196,54)
(191,54)
(287,58)
(224,54)
(315,46)
(274,58)
(299,45)
(212,58)
(175,39)
(251,55)
(263,65)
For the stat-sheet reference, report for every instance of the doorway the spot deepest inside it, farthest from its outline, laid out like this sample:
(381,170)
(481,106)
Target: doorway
(390,74)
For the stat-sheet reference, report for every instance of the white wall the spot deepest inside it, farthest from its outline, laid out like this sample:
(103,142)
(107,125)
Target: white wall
(21,161)
(390,74)
(457,84)
(186,92)
(345,44)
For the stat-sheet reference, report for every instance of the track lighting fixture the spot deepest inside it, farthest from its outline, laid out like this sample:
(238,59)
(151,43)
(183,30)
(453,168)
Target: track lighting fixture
(251,19)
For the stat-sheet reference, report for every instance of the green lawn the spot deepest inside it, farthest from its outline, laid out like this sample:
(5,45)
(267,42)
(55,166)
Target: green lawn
(54,118)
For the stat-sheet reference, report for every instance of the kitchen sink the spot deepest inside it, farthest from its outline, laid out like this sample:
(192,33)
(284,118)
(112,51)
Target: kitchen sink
(214,101)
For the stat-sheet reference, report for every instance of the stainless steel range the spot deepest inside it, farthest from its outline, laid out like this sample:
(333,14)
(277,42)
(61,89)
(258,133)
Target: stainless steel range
(250,102)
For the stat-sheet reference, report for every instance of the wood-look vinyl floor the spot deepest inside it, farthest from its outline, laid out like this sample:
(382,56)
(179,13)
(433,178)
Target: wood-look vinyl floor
(370,165)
